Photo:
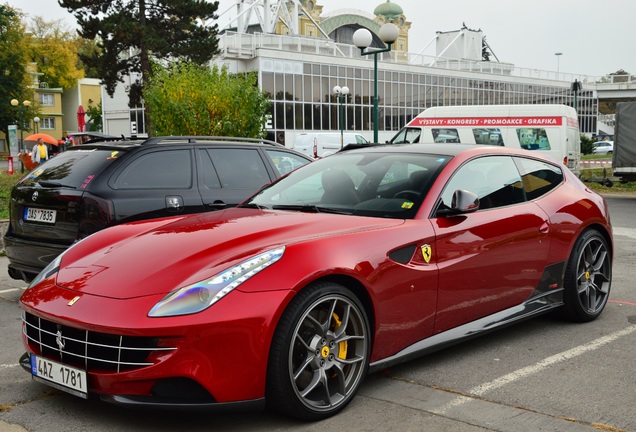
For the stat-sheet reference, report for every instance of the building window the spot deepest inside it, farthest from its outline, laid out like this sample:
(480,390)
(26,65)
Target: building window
(47,123)
(46,99)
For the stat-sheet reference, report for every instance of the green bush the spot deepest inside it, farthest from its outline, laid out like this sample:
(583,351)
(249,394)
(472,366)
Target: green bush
(6,184)
(586,145)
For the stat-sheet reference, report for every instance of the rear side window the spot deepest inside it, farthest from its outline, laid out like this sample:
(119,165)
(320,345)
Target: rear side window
(533,138)
(73,168)
(490,136)
(284,161)
(445,135)
(169,169)
(239,168)
(538,177)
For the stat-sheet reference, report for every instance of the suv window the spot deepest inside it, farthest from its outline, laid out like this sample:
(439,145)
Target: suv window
(158,170)
(249,173)
(284,161)
(65,169)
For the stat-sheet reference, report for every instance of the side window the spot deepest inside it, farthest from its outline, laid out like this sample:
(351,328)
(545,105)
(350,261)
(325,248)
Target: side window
(445,135)
(533,138)
(407,136)
(488,136)
(361,140)
(208,173)
(494,179)
(285,162)
(538,177)
(171,169)
(239,168)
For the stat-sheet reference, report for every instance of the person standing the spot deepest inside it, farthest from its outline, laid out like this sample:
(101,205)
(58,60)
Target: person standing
(40,152)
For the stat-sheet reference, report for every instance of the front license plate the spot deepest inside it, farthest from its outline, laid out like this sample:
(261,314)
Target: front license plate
(60,376)
(39,215)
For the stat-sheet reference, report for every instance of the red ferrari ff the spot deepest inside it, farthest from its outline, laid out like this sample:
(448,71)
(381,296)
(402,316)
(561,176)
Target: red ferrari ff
(352,263)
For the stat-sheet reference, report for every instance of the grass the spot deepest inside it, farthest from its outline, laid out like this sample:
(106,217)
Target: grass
(598,174)
(6,184)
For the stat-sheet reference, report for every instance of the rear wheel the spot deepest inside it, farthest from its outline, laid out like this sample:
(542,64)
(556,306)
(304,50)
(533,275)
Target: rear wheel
(588,277)
(319,354)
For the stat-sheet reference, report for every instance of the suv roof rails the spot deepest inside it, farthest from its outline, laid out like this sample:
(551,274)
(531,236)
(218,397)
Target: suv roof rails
(195,139)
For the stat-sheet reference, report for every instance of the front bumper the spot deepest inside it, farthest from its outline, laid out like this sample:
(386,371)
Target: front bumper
(219,356)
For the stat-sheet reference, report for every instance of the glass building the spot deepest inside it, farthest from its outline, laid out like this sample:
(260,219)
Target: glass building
(299,74)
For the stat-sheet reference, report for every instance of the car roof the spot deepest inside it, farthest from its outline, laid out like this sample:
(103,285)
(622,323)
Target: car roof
(442,149)
(124,143)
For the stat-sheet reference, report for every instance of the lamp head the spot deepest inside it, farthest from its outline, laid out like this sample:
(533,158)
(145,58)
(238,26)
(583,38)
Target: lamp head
(36,119)
(14,102)
(344,90)
(26,103)
(389,33)
(337,89)
(362,38)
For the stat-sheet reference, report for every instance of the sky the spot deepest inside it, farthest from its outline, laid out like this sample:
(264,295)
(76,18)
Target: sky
(595,38)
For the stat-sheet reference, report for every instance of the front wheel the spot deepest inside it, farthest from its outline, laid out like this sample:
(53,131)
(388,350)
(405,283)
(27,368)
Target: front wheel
(588,277)
(319,354)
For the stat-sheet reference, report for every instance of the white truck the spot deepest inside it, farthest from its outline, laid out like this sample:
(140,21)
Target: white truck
(549,128)
(321,144)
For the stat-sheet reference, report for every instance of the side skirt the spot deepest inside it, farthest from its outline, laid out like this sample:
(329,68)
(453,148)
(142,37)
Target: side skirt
(539,303)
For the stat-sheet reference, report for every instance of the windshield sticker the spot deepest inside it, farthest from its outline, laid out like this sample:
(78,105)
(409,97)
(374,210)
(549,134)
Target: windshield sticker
(407,204)
(87,180)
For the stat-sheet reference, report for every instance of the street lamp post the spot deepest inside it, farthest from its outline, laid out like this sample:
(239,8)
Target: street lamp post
(36,123)
(362,38)
(341,94)
(558,56)
(21,110)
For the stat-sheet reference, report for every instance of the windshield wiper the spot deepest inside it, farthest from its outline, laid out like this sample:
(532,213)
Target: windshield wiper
(312,208)
(51,184)
(254,205)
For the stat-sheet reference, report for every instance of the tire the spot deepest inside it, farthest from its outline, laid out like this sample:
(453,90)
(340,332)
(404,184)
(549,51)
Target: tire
(319,354)
(588,277)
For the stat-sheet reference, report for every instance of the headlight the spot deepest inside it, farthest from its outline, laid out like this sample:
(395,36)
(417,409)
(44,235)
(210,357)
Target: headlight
(201,295)
(49,270)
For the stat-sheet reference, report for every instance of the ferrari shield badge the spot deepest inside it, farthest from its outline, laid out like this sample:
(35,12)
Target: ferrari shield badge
(427,251)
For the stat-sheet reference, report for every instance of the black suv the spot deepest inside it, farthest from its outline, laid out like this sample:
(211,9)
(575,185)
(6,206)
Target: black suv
(93,186)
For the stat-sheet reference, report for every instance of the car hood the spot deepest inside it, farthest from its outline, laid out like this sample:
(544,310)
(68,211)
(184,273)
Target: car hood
(158,256)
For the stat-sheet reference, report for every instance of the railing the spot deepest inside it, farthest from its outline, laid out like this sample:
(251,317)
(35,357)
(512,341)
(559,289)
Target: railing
(232,44)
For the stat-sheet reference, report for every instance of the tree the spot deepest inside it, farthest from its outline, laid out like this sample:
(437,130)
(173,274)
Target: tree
(94,114)
(129,32)
(188,99)
(14,79)
(54,49)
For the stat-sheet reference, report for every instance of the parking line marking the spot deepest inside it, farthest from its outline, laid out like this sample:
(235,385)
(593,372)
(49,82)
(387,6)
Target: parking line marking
(537,367)
(622,302)
(11,290)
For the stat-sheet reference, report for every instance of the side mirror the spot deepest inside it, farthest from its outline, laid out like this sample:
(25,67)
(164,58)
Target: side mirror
(463,201)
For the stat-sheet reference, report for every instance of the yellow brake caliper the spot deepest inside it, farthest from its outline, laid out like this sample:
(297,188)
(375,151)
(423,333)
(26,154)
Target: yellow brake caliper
(342,346)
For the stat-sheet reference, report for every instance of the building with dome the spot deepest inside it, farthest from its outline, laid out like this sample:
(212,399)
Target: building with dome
(301,52)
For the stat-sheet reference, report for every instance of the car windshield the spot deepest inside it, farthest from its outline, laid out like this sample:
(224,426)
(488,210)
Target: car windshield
(389,185)
(72,168)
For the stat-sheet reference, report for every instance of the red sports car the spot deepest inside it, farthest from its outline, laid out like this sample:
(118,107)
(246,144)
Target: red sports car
(355,262)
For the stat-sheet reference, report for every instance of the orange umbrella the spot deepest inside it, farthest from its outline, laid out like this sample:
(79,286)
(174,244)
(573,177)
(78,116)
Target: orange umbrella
(30,141)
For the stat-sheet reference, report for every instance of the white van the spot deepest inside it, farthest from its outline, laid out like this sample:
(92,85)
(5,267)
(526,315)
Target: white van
(551,129)
(321,144)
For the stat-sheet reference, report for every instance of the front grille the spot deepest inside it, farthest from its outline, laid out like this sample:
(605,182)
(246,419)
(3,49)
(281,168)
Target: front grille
(89,350)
